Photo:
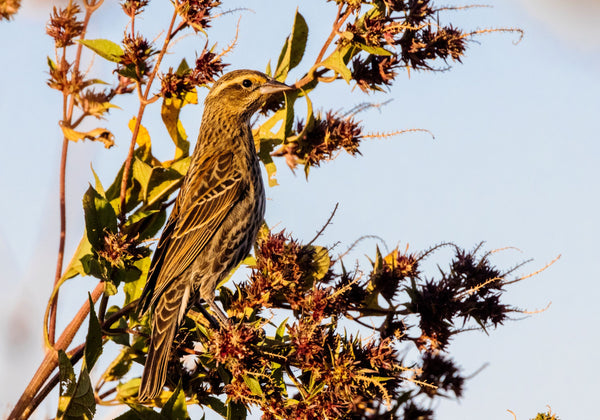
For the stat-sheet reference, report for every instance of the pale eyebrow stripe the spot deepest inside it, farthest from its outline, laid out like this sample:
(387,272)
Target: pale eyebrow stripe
(237,79)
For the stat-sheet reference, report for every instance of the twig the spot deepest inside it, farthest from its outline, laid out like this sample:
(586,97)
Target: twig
(102,308)
(75,356)
(535,272)
(300,387)
(23,408)
(67,117)
(313,73)
(327,223)
(138,120)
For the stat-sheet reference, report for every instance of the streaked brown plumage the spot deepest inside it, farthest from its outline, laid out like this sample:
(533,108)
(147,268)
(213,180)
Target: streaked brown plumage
(216,216)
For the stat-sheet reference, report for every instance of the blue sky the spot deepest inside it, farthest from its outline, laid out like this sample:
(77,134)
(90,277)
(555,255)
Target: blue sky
(515,162)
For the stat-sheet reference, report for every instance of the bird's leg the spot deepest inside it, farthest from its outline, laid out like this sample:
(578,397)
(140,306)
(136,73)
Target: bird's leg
(221,319)
(211,319)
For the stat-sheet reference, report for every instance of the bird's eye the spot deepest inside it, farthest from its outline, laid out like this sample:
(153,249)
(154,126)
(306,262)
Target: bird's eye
(246,83)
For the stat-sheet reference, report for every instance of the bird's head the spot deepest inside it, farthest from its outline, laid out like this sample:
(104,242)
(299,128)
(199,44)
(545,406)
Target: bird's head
(242,92)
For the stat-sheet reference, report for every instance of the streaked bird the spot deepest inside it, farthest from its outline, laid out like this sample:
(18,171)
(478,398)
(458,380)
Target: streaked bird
(216,216)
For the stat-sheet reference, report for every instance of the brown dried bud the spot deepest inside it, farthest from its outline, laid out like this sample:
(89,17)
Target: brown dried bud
(208,66)
(126,85)
(374,71)
(64,26)
(94,103)
(135,62)
(8,8)
(133,7)
(327,136)
(196,13)
(59,78)
(119,249)
(173,84)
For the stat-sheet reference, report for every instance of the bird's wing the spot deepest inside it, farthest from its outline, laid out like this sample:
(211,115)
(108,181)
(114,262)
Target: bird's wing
(212,189)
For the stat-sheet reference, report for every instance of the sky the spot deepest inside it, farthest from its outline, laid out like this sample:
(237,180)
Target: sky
(515,162)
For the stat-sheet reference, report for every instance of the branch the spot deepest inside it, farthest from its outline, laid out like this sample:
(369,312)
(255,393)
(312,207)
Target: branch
(23,409)
(312,73)
(138,121)
(90,8)
(327,223)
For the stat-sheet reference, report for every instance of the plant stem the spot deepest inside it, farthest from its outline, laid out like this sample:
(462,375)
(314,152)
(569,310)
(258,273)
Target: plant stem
(74,357)
(67,117)
(138,121)
(337,24)
(23,409)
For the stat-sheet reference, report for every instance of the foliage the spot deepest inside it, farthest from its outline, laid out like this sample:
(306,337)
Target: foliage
(315,363)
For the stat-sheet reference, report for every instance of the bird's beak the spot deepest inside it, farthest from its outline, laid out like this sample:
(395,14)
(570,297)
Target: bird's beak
(273,86)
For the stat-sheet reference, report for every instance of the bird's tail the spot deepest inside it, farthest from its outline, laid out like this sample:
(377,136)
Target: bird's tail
(168,312)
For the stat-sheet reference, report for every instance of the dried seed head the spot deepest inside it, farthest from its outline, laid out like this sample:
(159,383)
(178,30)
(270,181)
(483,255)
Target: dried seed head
(177,85)
(135,62)
(208,66)
(322,140)
(374,71)
(133,7)
(94,103)
(8,8)
(119,249)
(196,13)
(64,26)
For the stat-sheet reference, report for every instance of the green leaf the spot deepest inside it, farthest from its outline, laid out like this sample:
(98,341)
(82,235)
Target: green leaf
(128,389)
(133,289)
(267,139)
(253,384)
(310,121)
(236,411)
(183,68)
(110,289)
(372,49)
(338,61)
(277,376)
(145,223)
(75,266)
(163,182)
(129,415)
(144,150)
(141,412)
(104,48)
(321,261)
(141,173)
(67,383)
(100,217)
(290,99)
(216,405)
(76,400)
(169,112)
(98,185)
(120,365)
(181,166)
(92,266)
(281,330)
(175,408)
(93,341)
(51,63)
(113,193)
(265,156)
(120,323)
(293,49)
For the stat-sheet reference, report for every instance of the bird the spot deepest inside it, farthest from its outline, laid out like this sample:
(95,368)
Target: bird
(215,219)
